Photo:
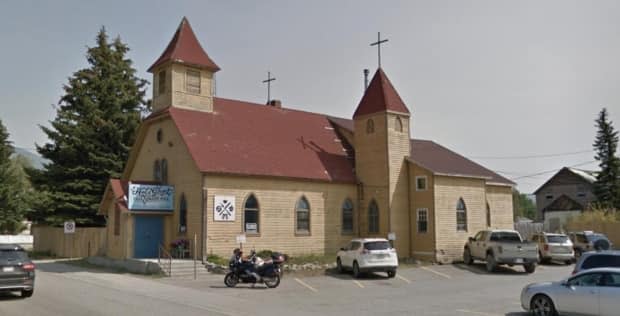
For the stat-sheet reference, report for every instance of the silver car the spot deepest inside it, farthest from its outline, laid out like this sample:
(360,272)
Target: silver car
(555,247)
(590,292)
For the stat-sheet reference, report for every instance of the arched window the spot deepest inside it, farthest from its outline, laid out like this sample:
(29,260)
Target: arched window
(370,126)
(302,214)
(250,215)
(347,216)
(157,171)
(159,136)
(164,171)
(488,215)
(373,217)
(461,215)
(399,124)
(183,214)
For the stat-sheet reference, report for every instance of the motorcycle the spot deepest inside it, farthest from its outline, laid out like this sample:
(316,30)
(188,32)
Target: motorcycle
(269,272)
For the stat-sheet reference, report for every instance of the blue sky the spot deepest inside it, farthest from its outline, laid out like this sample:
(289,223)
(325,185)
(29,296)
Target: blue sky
(485,78)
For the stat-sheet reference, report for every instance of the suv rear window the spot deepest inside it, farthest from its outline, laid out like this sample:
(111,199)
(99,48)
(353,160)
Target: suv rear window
(377,245)
(601,261)
(557,239)
(505,237)
(13,255)
(595,237)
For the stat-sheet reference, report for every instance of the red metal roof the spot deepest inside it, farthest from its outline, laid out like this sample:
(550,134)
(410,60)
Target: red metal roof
(439,159)
(185,48)
(255,139)
(442,160)
(380,96)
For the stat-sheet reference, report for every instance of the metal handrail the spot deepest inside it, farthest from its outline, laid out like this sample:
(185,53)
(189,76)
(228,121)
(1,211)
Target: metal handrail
(164,254)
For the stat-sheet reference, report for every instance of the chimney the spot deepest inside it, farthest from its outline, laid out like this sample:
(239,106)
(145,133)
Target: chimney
(275,103)
(366,72)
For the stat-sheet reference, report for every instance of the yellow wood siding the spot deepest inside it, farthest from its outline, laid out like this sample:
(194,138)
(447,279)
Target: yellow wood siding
(277,199)
(500,204)
(422,244)
(448,190)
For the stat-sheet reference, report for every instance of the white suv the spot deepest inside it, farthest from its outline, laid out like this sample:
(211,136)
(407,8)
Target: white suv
(368,255)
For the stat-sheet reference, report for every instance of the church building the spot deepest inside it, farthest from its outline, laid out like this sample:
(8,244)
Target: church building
(226,171)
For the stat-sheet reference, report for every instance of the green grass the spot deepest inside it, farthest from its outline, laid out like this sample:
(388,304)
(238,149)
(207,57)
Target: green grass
(217,259)
(311,258)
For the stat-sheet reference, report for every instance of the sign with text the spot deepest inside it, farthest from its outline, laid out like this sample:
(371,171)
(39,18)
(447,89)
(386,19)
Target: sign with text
(241,239)
(150,197)
(224,208)
(70,227)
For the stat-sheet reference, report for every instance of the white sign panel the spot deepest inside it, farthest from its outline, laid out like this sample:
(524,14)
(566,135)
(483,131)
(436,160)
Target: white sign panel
(251,227)
(241,239)
(69,227)
(391,236)
(224,208)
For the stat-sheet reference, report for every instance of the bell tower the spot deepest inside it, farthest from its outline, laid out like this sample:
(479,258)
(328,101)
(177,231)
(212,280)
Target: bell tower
(382,144)
(183,76)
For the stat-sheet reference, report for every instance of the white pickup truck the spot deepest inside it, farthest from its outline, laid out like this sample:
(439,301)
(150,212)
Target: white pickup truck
(501,247)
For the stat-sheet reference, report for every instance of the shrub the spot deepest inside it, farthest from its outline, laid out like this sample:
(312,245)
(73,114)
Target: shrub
(217,259)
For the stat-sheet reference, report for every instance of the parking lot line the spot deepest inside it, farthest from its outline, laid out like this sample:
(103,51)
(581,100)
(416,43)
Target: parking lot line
(437,272)
(403,278)
(306,285)
(475,313)
(359,283)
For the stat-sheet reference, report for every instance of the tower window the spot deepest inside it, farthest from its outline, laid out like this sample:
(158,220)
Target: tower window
(162,82)
(159,136)
(192,81)
(370,126)
(399,125)
(164,171)
(157,171)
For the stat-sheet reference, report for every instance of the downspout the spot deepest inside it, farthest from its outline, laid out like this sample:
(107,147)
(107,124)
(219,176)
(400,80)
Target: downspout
(203,225)
(409,204)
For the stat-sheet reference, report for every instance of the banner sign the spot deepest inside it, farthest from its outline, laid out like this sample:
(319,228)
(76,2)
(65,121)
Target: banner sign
(150,197)
(224,208)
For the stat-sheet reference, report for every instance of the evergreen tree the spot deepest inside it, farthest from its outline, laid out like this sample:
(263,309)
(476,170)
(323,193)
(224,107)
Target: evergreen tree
(607,185)
(13,192)
(522,205)
(90,138)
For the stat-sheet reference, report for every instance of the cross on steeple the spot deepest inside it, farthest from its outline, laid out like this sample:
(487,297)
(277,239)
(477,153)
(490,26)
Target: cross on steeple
(378,43)
(268,82)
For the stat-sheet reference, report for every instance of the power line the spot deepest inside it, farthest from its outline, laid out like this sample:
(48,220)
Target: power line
(549,171)
(534,156)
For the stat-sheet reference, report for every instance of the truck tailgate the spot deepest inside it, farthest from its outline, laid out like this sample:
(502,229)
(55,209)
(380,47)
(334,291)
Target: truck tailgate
(519,250)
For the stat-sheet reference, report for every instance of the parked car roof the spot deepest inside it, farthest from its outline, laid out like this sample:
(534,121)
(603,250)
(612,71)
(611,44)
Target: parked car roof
(368,239)
(10,247)
(606,269)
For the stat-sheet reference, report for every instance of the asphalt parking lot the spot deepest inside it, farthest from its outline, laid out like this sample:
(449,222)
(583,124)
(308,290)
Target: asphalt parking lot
(428,290)
(458,289)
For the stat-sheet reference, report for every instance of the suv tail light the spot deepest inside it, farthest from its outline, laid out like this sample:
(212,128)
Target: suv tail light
(365,251)
(546,247)
(28,267)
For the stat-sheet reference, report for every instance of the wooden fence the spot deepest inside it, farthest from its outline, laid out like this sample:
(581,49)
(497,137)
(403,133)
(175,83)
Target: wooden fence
(85,242)
(612,230)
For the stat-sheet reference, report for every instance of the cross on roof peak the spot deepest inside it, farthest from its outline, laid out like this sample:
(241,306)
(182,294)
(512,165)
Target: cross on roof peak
(378,44)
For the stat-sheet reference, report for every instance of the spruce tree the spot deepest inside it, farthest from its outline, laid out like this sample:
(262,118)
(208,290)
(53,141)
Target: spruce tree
(90,138)
(13,194)
(607,185)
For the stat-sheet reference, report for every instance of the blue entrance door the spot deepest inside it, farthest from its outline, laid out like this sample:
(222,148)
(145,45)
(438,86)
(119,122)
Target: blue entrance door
(148,234)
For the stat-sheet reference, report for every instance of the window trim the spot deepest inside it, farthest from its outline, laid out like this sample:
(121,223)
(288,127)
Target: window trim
(373,201)
(161,84)
(303,232)
(342,230)
(417,188)
(418,212)
(488,214)
(258,214)
(370,126)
